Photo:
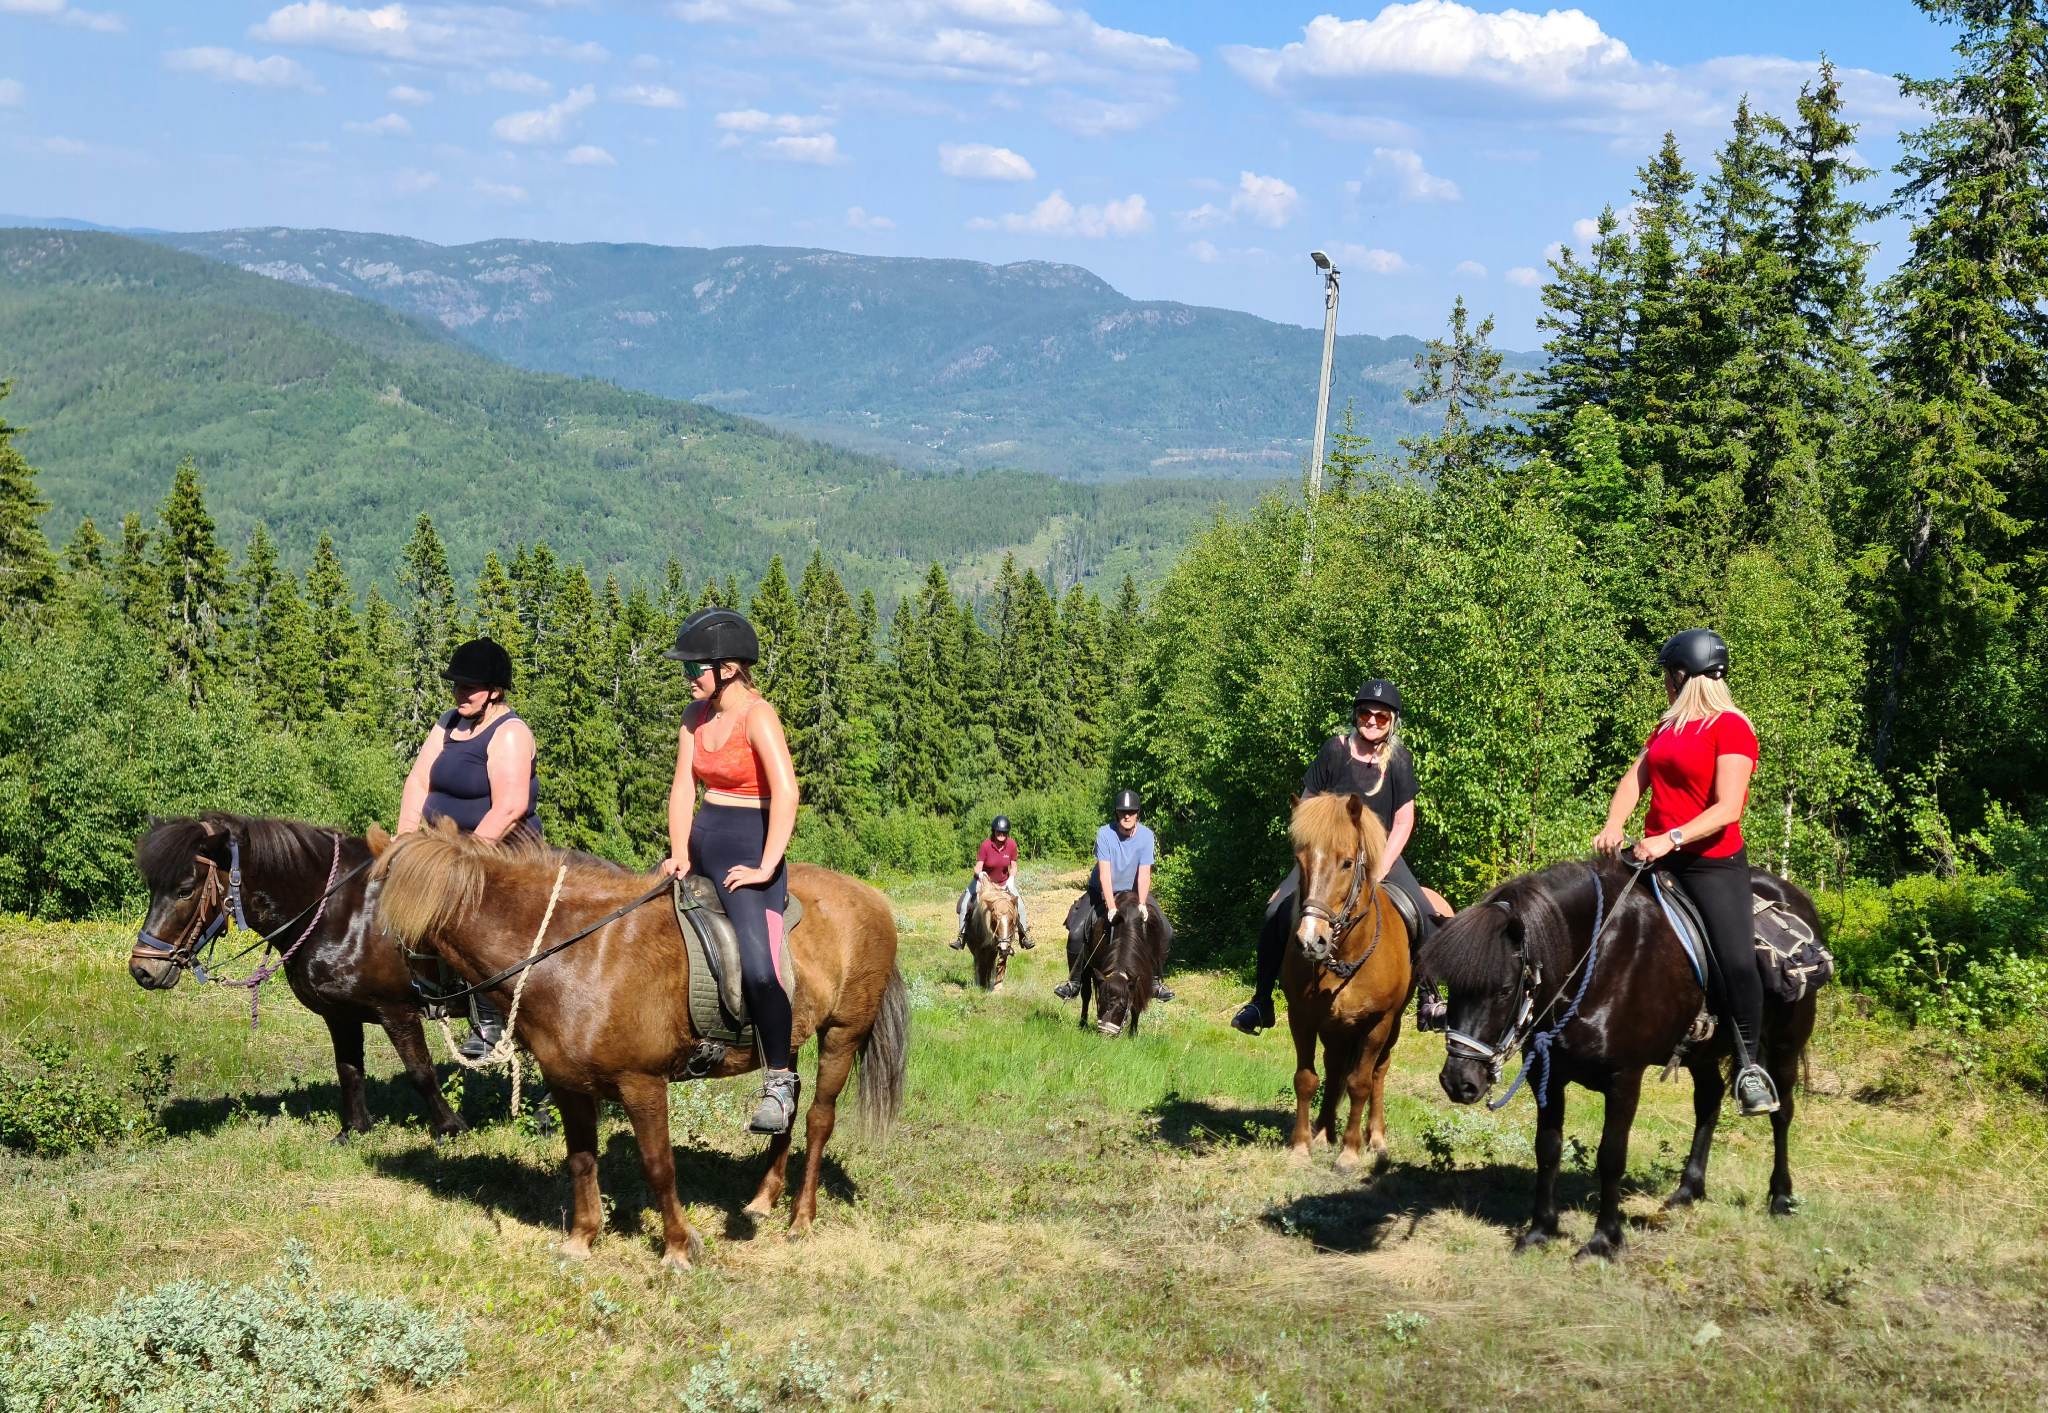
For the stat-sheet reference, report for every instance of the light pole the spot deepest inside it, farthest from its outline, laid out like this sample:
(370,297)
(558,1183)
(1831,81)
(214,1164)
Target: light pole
(1330,273)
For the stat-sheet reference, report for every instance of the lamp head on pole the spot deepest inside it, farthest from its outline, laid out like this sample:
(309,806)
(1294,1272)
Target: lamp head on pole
(1322,262)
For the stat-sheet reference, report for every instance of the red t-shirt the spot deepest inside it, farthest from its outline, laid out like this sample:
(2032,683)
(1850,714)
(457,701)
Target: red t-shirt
(1681,761)
(997,860)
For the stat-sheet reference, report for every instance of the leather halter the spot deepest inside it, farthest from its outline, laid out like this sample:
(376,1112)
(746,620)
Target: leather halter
(219,904)
(1343,922)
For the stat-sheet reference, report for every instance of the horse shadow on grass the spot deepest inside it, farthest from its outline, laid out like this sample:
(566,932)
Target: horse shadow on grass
(390,1100)
(537,1193)
(1195,1126)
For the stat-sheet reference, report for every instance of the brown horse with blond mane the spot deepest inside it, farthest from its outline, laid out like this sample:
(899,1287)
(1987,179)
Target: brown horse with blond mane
(1348,975)
(992,933)
(609,1017)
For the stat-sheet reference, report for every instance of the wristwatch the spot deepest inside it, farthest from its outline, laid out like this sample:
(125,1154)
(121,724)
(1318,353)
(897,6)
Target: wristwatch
(1676,836)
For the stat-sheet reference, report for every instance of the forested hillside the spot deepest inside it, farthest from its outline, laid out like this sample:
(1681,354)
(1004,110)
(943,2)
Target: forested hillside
(317,413)
(929,362)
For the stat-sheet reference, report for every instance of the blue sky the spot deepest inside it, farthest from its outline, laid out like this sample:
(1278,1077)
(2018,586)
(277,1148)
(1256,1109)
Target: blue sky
(1192,151)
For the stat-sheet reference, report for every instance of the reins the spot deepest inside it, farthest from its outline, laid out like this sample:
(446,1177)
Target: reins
(1345,921)
(438,999)
(506,1050)
(254,981)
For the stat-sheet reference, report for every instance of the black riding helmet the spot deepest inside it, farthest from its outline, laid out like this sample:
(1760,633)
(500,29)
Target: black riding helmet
(715,635)
(480,662)
(1000,827)
(1378,692)
(1125,800)
(1697,652)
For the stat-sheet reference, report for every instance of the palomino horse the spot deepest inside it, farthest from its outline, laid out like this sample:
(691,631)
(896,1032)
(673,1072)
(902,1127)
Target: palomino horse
(610,1016)
(1521,973)
(306,884)
(1126,954)
(1347,981)
(991,934)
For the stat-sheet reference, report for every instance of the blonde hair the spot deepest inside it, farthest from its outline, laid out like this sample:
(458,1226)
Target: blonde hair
(1382,753)
(1699,699)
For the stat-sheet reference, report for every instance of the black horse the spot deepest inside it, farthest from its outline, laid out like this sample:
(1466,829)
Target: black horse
(1513,966)
(277,875)
(1126,955)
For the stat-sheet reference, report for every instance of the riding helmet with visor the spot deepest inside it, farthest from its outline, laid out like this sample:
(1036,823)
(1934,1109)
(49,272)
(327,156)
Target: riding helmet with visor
(479,662)
(1378,692)
(1126,802)
(1000,828)
(715,635)
(1697,652)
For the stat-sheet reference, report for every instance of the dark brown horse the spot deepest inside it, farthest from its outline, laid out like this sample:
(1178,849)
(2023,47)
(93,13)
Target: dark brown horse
(1126,954)
(1512,966)
(992,934)
(343,972)
(609,1017)
(1348,976)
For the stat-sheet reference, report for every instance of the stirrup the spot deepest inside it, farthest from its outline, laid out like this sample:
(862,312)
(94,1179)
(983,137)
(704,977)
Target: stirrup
(1755,1076)
(1251,1018)
(1067,990)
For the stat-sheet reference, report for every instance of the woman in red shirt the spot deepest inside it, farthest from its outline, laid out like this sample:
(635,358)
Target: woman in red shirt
(996,862)
(1696,768)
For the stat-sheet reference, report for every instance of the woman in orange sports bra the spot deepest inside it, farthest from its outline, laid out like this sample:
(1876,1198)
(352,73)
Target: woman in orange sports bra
(732,744)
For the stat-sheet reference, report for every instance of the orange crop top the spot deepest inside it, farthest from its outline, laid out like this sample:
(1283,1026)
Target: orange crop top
(734,767)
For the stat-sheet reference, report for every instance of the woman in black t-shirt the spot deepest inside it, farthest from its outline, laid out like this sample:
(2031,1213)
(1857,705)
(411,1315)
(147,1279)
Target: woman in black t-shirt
(1369,762)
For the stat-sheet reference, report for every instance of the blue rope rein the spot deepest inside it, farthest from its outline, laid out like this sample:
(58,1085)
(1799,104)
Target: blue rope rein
(1537,1051)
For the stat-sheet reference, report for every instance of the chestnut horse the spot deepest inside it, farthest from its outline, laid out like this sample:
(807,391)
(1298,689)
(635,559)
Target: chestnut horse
(1348,977)
(609,1017)
(342,971)
(1521,973)
(991,934)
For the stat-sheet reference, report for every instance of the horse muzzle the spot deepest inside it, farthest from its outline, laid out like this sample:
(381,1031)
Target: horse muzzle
(1464,1080)
(154,968)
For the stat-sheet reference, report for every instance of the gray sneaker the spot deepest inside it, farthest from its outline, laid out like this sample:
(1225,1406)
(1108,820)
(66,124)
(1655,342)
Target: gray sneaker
(1754,1092)
(778,1103)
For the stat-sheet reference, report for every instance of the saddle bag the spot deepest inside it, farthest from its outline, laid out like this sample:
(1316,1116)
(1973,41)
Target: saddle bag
(1790,958)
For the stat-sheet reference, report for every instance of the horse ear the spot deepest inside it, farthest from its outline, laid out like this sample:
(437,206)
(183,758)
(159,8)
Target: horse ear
(1292,801)
(379,840)
(1356,805)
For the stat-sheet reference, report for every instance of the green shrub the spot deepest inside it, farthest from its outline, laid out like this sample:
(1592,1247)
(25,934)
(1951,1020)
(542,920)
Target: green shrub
(282,1346)
(50,1110)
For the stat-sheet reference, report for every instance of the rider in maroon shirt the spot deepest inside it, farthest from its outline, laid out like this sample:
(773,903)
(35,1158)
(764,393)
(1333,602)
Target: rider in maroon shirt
(996,862)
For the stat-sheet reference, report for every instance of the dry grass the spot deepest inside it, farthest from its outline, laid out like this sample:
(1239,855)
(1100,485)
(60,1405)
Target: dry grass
(1067,1221)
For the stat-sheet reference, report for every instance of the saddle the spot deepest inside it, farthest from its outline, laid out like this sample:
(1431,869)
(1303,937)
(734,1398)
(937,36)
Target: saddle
(1405,906)
(718,1008)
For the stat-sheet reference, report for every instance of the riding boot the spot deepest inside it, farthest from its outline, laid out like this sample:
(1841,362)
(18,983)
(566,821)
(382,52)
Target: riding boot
(1255,1015)
(778,1103)
(1159,991)
(486,1028)
(1432,1011)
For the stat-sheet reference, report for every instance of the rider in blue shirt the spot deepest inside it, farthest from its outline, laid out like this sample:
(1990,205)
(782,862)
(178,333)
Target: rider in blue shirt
(1124,852)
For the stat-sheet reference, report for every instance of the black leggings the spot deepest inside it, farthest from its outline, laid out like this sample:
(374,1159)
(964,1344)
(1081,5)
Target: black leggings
(728,836)
(1719,888)
(1279,924)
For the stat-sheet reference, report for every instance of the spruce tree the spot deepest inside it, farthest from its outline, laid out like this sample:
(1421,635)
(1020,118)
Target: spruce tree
(574,730)
(331,619)
(1585,315)
(28,570)
(198,593)
(923,635)
(139,583)
(431,615)
(496,613)
(379,689)
(1463,373)
(86,551)
(256,579)
(290,689)
(773,613)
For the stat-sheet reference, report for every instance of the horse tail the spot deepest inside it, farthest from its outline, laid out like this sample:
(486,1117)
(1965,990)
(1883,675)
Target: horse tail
(884,1057)
(428,878)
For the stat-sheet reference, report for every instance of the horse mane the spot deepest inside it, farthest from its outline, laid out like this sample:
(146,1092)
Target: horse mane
(997,899)
(164,854)
(435,876)
(1324,822)
(1468,951)
(1137,952)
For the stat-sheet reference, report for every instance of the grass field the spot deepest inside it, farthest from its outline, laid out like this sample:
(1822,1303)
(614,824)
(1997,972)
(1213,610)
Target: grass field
(1066,1221)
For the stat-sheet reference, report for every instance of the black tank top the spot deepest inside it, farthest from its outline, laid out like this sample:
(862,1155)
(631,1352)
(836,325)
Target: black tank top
(459,785)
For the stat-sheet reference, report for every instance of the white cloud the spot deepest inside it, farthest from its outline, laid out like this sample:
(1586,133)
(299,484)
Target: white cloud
(97,20)
(1402,169)
(1268,201)
(1554,250)
(499,191)
(411,181)
(1557,52)
(1584,229)
(1370,258)
(753,120)
(390,125)
(817,150)
(977,161)
(1524,276)
(412,97)
(1353,127)
(545,125)
(388,32)
(1057,216)
(456,36)
(1471,267)
(228,66)
(12,94)
(863,220)
(1205,251)
(518,81)
(647,95)
(589,156)
(1007,12)
(1098,117)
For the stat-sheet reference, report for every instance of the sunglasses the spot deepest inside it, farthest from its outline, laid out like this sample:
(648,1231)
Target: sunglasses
(1378,716)
(694,670)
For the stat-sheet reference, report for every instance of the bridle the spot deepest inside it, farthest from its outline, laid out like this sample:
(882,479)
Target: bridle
(1471,1047)
(1341,923)
(219,902)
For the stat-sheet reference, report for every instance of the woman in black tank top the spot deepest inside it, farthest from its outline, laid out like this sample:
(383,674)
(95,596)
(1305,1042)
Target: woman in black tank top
(476,770)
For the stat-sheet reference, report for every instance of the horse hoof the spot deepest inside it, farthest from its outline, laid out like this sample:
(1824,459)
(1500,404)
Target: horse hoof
(574,1249)
(1297,1154)
(1601,1247)
(1346,1160)
(343,1139)
(758,1208)
(1784,1204)
(1534,1239)
(1684,1197)
(799,1225)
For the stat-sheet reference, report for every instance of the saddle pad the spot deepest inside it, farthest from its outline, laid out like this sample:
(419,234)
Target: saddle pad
(718,1008)
(1685,921)
(1792,959)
